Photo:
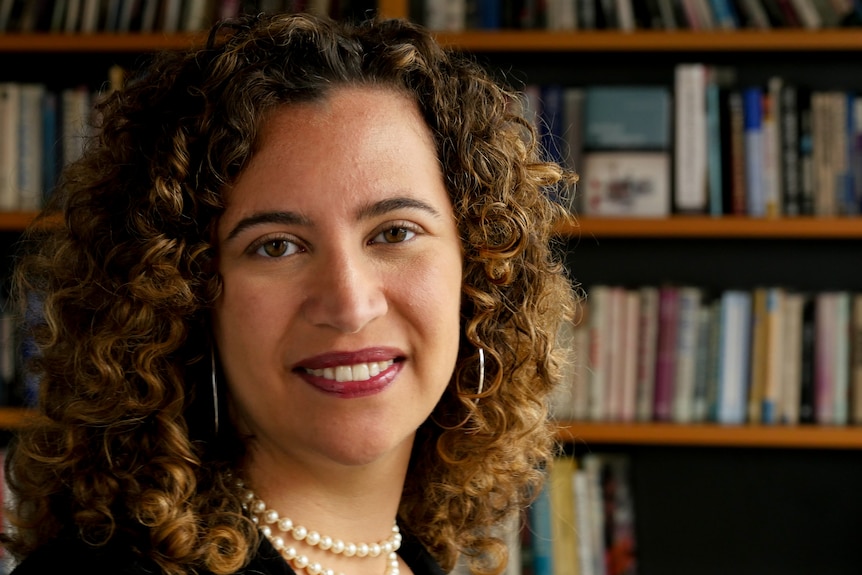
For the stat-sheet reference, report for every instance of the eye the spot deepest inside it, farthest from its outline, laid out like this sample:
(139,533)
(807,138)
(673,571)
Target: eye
(394,235)
(276,248)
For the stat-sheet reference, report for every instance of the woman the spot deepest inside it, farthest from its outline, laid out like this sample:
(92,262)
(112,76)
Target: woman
(296,312)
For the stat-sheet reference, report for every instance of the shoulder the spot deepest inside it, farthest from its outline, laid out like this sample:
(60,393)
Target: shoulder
(74,556)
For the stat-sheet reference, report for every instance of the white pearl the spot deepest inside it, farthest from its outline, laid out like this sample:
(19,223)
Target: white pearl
(258,506)
(386,548)
(301,561)
(313,538)
(362,550)
(328,572)
(314,569)
(285,524)
(349,549)
(278,543)
(325,542)
(267,532)
(289,553)
(338,546)
(270,516)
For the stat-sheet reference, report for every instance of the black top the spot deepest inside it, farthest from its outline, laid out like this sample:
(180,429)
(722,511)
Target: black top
(73,556)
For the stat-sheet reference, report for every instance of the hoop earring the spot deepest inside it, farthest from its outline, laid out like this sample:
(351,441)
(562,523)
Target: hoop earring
(215,391)
(481,370)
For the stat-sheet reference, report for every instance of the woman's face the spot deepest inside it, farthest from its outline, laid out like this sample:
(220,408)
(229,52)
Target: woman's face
(338,325)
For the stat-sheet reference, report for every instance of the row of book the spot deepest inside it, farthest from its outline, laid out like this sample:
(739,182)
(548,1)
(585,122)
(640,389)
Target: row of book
(583,522)
(145,16)
(629,15)
(771,355)
(705,146)
(41,130)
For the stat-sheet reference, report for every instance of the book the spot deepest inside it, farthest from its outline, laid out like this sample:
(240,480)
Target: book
(734,356)
(666,353)
(31,147)
(690,188)
(759,347)
(856,360)
(632,184)
(541,513)
(627,118)
(648,319)
(790,168)
(564,537)
(599,300)
(685,353)
(738,204)
(791,354)
(775,359)
(10,119)
(752,100)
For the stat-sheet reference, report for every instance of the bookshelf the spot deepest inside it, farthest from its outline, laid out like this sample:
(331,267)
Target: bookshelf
(710,498)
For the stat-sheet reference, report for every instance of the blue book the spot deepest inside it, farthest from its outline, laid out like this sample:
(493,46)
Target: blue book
(541,536)
(752,113)
(490,14)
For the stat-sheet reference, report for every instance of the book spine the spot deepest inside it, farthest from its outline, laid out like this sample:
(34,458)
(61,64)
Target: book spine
(752,114)
(690,145)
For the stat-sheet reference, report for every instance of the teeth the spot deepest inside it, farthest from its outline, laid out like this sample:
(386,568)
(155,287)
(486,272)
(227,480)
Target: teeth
(357,372)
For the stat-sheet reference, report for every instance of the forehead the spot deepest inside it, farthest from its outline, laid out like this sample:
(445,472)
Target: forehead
(354,140)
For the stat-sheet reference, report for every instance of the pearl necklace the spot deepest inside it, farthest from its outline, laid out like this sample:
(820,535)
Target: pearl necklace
(265,519)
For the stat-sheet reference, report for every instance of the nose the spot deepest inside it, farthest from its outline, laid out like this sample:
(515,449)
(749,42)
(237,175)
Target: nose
(346,292)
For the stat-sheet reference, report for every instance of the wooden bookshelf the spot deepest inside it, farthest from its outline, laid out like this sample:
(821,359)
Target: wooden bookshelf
(723,227)
(713,435)
(100,42)
(784,40)
(12,418)
(15,221)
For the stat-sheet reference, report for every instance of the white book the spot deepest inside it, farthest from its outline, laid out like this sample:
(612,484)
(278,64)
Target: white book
(194,18)
(171,16)
(31,148)
(10,119)
(586,547)
(89,16)
(734,350)
(691,192)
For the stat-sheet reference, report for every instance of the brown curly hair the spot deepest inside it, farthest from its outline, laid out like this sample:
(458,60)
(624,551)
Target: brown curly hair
(118,277)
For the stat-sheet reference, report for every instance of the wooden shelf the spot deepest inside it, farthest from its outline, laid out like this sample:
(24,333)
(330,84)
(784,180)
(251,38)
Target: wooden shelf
(711,435)
(843,39)
(14,417)
(719,228)
(102,42)
(15,221)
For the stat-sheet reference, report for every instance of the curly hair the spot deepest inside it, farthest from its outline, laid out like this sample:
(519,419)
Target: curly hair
(118,276)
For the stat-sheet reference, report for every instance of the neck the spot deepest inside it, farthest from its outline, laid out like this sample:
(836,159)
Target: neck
(351,503)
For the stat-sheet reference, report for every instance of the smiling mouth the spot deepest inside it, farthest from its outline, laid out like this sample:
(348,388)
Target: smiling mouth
(354,372)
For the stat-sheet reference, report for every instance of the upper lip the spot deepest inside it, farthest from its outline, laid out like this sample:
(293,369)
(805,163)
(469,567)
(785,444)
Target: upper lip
(336,358)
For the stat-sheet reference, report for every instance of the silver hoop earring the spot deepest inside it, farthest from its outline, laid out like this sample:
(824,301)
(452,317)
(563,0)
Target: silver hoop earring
(481,370)
(215,391)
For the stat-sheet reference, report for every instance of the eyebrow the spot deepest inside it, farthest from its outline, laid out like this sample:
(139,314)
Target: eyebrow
(365,212)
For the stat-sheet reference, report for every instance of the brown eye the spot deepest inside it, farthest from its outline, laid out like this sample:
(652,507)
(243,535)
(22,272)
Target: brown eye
(276,248)
(394,235)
